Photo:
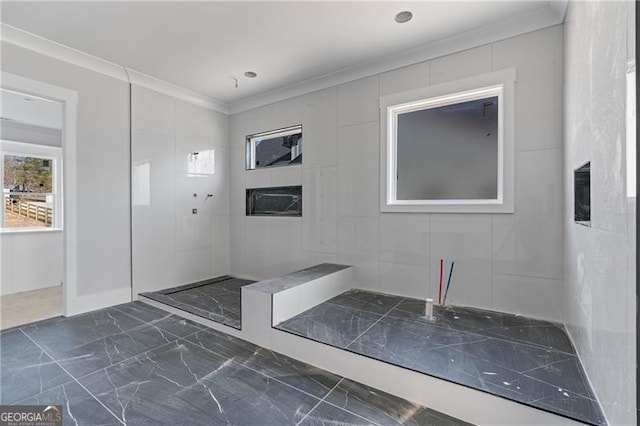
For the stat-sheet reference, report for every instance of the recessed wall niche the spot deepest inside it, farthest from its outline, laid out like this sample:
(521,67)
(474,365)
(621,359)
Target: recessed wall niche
(582,194)
(274,201)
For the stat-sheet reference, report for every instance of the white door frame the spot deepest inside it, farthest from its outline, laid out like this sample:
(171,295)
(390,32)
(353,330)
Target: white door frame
(69,99)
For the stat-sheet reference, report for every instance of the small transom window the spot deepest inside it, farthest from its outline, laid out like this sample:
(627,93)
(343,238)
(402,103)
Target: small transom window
(275,148)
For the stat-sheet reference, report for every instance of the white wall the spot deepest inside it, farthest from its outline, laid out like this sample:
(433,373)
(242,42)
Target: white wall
(103,237)
(510,262)
(30,261)
(599,277)
(170,244)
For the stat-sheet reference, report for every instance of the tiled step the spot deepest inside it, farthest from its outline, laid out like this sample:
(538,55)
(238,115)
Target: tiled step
(293,296)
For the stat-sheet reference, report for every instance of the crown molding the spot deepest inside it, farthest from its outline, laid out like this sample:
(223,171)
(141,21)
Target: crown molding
(527,22)
(36,43)
(144,80)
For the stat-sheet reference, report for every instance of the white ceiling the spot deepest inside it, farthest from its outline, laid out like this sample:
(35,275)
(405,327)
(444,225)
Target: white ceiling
(200,46)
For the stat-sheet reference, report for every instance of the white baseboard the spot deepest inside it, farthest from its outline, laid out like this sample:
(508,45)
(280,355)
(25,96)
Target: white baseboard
(92,302)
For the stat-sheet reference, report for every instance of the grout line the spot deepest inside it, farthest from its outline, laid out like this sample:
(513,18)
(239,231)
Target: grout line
(358,415)
(262,373)
(73,377)
(379,319)
(320,402)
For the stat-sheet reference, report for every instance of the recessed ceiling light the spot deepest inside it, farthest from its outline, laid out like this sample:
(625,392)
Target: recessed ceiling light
(250,74)
(404,16)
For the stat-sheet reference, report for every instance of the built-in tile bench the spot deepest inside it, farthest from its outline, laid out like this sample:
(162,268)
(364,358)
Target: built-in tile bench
(268,303)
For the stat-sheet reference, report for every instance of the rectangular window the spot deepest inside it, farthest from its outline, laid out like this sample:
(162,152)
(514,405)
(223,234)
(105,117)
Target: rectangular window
(275,148)
(276,201)
(30,186)
(449,148)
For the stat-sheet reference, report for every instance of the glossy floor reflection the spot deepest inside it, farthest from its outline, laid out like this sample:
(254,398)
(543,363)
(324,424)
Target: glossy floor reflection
(522,359)
(217,299)
(137,365)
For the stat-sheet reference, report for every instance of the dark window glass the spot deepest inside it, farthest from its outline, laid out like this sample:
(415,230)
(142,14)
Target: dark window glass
(582,199)
(449,152)
(273,149)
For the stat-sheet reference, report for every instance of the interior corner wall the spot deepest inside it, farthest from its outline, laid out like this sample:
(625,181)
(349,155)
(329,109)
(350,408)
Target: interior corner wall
(171,244)
(599,274)
(508,262)
(103,237)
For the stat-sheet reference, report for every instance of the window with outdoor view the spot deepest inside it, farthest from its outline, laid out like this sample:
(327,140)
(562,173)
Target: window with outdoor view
(30,193)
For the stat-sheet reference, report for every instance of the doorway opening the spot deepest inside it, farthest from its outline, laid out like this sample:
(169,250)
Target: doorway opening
(37,216)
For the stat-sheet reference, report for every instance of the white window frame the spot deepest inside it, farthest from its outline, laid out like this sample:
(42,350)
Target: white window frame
(251,145)
(499,83)
(52,153)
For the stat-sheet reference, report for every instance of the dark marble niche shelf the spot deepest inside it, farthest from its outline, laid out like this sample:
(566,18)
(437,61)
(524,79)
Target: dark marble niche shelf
(274,201)
(217,299)
(522,359)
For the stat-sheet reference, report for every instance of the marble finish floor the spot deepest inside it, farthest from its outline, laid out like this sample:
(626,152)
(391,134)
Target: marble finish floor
(522,359)
(134,364)
(29,306)
(217,299)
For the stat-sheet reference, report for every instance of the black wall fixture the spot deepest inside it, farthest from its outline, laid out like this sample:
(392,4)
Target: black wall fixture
(582,195)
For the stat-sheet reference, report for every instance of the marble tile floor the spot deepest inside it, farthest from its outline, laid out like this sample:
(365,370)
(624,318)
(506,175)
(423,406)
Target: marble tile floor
(216,299)
(134,364)
(29,306)
(522,359)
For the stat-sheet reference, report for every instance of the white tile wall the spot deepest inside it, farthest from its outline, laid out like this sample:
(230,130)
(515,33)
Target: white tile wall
(359,170)
(155,151)
(154,253)
(466,240)
(220,245)
(153,112)
(462,64)
(399,253)
(171,245)
(320,128)
(193,265)
(238,245)
(258,247)
(194,123)
(358,246)
(406,78)
(405,280)
(405,238)
(287,176)
(286,245)
(286,113)
(358,101)
(320,209)
(516,294)
(310,258)
(538,59)
(598,286)
(528,242)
